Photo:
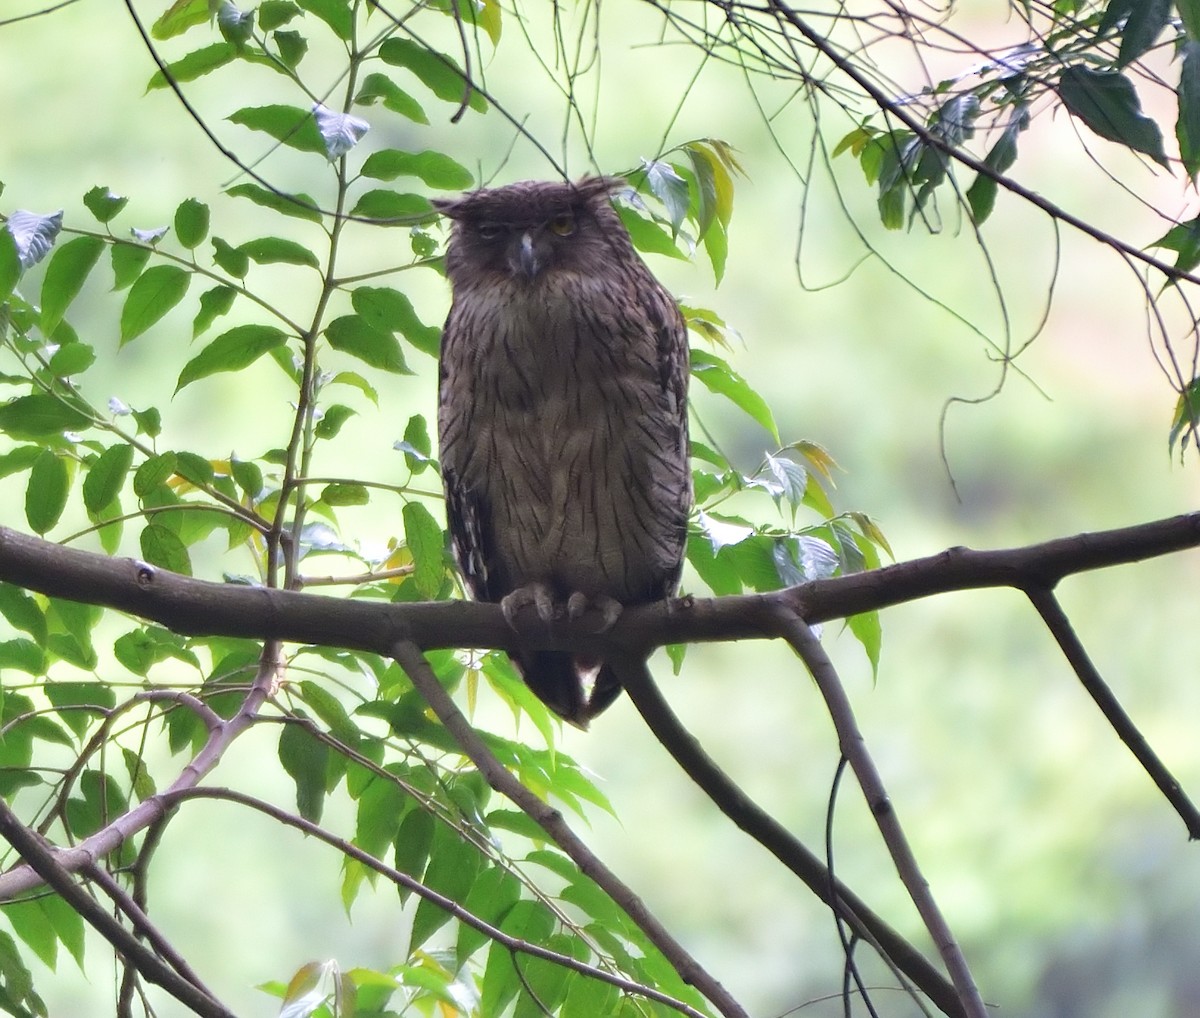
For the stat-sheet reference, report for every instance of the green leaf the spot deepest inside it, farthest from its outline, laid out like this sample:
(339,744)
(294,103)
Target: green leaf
(155,471)
(24,655)
(72,359)
(66,272)
(353,335)
(342,493)
(273,250)
(22,612)
(434,168)
(306,761)
(868,631)
(1187,125)
(195,65)
(380,88)
(413,843)
(1189,14)
(453,864)
(390,310)
(233,260)
(162,547)
(10,264)
(1108,104)
(531,921)
(274,13)
(648,236)
(39,415)
(213,304)
(103,204)
(128,260)
(1143,26)
(494,894)
(19,460)
(236,26)
(436,71)
(387,205)
(423,535)
(179,17)
(720,378)
(298,206)
(46,492)
(335,13)
(981,195)
(106,477)
(1184,240)
(332,419)
(191,222)
(288,125)
(292,47)
(416,445)
(156,291)
(238,348)
(68,697)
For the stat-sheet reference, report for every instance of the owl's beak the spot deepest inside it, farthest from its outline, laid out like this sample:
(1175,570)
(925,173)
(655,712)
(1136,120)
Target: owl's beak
(527,258)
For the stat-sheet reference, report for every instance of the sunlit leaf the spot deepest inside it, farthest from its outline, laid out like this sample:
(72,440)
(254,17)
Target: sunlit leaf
(39,415)
(66,273)
(191,222)
(46,492)
(238,348)
(434,168)
(352,334)
(299,206)
(289,125)
(335,13)
(436,71)
(155,292)
(106,477)
(195,65)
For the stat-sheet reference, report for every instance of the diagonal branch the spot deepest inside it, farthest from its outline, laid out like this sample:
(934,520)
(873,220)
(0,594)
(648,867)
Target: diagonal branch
(42,860)
(854,748)
(401,879)
(731,800)
(1072,647)
(410,658)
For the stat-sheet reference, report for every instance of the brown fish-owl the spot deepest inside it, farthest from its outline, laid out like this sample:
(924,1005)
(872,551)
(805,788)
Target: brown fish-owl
(562,419)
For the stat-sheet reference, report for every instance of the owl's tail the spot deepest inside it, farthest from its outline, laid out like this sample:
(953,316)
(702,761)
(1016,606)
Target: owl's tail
(575,687)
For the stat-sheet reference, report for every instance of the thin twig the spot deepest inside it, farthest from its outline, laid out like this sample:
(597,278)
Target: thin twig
(853,746)
(42,860)
(151,809)
(1060,627)
(410,658)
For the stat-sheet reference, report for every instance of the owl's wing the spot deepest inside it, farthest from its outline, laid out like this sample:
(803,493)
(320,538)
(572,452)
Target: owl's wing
(468,515)
(469,523)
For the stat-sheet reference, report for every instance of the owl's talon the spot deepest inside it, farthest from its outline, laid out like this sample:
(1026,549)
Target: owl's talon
(536,594)
(579,604)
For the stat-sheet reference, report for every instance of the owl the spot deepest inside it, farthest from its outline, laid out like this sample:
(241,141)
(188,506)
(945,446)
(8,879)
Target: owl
(562,420)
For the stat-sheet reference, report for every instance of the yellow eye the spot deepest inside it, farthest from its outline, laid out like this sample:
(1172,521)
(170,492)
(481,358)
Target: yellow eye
(563,225)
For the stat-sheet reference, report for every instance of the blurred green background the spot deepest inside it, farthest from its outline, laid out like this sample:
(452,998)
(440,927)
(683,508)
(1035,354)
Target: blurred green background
(1068,879)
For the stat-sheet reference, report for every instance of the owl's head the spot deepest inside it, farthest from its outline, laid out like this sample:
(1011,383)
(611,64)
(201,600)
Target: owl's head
(532,228)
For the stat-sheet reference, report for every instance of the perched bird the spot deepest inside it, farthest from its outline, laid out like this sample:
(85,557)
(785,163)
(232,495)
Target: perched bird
(562,419)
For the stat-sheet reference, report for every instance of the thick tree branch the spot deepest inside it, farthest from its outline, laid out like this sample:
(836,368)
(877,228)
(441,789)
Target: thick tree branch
(731,800)
(193,606)
(410,658)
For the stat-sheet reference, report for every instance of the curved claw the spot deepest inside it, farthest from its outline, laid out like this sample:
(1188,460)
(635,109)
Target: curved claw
(537,594)
(578,605)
